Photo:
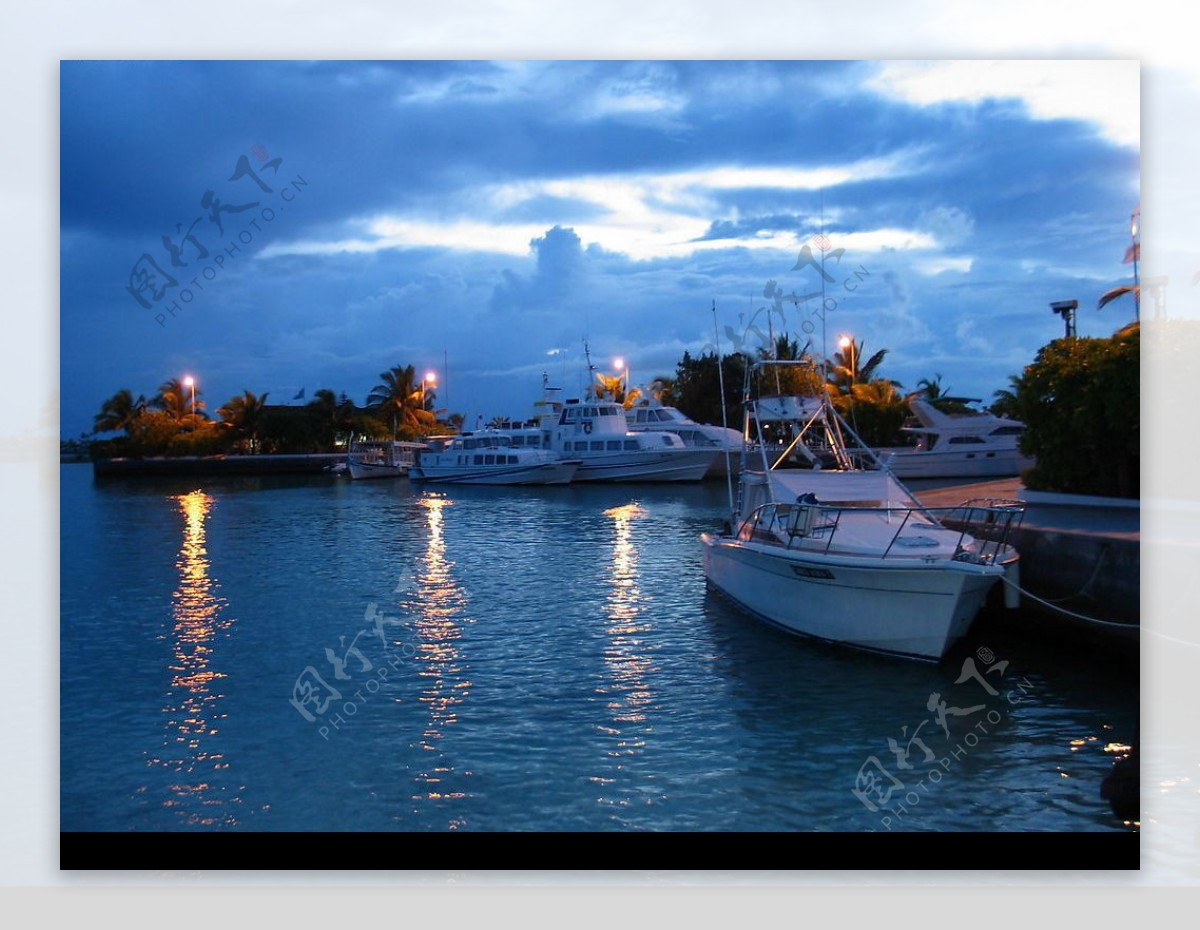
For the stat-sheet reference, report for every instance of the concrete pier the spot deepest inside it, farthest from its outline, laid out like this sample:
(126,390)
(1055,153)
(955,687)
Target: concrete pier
(1080,555)
(186,466)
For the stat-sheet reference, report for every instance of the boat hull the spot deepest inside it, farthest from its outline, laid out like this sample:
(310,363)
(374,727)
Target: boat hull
(676,465)
(998,464)
(541,473)
(367,470)
(903,607)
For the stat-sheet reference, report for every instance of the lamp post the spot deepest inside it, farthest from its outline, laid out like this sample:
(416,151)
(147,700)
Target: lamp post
(620,365)
(190,382)
(846,344)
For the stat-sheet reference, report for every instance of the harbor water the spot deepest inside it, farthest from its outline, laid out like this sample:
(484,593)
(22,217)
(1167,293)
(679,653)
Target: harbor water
(310,653)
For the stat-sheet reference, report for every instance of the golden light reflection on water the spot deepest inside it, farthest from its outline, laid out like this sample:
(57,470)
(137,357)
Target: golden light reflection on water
(628,693)
(439,611)
(192,712)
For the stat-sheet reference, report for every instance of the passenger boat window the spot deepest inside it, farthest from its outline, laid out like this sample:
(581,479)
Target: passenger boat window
(614,445)
(489,460)
(597,445)
(641,416)
(581,446)
(631,444)
(666,438)
(966,440)
(610,411)
(478,460)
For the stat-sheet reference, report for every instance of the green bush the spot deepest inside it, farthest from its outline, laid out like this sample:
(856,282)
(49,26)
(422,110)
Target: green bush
(1079,401)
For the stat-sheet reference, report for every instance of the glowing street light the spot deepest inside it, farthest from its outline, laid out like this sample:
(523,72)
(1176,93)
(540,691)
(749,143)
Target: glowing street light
(190,382)
(846,344)
(430,379)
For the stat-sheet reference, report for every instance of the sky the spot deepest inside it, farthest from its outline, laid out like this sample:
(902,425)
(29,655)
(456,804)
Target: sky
(483,220)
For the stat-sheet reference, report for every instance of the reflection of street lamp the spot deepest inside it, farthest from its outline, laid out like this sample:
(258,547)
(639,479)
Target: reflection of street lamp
(189,381)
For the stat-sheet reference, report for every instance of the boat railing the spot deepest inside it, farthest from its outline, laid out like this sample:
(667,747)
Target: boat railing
(984,527)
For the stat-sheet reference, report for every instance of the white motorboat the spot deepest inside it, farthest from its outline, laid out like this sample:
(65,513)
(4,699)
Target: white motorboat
(594,432)
(490,457)
(374,458)
(839,550)
(727,443)
(973,445)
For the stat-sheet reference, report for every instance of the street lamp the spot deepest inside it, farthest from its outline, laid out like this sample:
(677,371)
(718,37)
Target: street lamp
(190,382)
(431,379)
(846,344)
(620,365)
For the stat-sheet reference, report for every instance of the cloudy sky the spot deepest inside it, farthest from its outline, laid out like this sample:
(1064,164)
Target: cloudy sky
(278,226)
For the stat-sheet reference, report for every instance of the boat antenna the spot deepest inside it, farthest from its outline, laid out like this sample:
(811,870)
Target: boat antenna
(587,354)
(724,415)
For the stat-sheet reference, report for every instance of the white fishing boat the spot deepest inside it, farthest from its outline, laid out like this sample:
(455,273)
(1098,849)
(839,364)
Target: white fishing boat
(972,445)
(654,417)
(594,432)
(374,458)
(490,457)
(825,543)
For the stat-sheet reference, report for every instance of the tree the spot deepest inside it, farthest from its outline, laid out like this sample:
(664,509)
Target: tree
(242,416)
(613,387)
(931,390)
(698,387)
(1079,401)
(177,400)
(120,412)
(662,389)
(876,411)
(845,368)
(402,400)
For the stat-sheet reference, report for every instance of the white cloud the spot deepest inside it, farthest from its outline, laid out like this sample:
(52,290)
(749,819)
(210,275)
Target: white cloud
(641,215)
(935,266)
(1104,92)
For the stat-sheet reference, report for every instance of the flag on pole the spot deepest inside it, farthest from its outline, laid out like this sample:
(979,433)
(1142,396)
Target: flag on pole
(1132,254)
(299,395)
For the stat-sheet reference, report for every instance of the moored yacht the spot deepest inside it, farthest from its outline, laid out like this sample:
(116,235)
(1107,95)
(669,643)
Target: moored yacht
(372,458)
(653,417)
(490,457)
(972,445)
(594,432)
(824,542)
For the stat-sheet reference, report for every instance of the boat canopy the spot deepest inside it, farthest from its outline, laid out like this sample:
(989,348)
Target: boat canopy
(787,485)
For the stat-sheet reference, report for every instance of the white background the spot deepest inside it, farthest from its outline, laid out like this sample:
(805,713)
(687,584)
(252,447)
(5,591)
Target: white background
(1159,34)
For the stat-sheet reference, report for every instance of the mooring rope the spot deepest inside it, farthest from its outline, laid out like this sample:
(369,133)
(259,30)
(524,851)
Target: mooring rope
(1063,610)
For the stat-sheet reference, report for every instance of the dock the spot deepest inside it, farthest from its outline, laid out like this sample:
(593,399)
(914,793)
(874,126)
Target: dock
(209,465)
(1080,555)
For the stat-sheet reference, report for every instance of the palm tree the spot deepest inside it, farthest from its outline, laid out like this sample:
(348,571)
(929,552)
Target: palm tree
(846,370)
(243,416)
(877,410)
(333,416)
(662,389)
(120,412)
(613,386)
(933,392)
(178,402)
(403,399)
(1005,404)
